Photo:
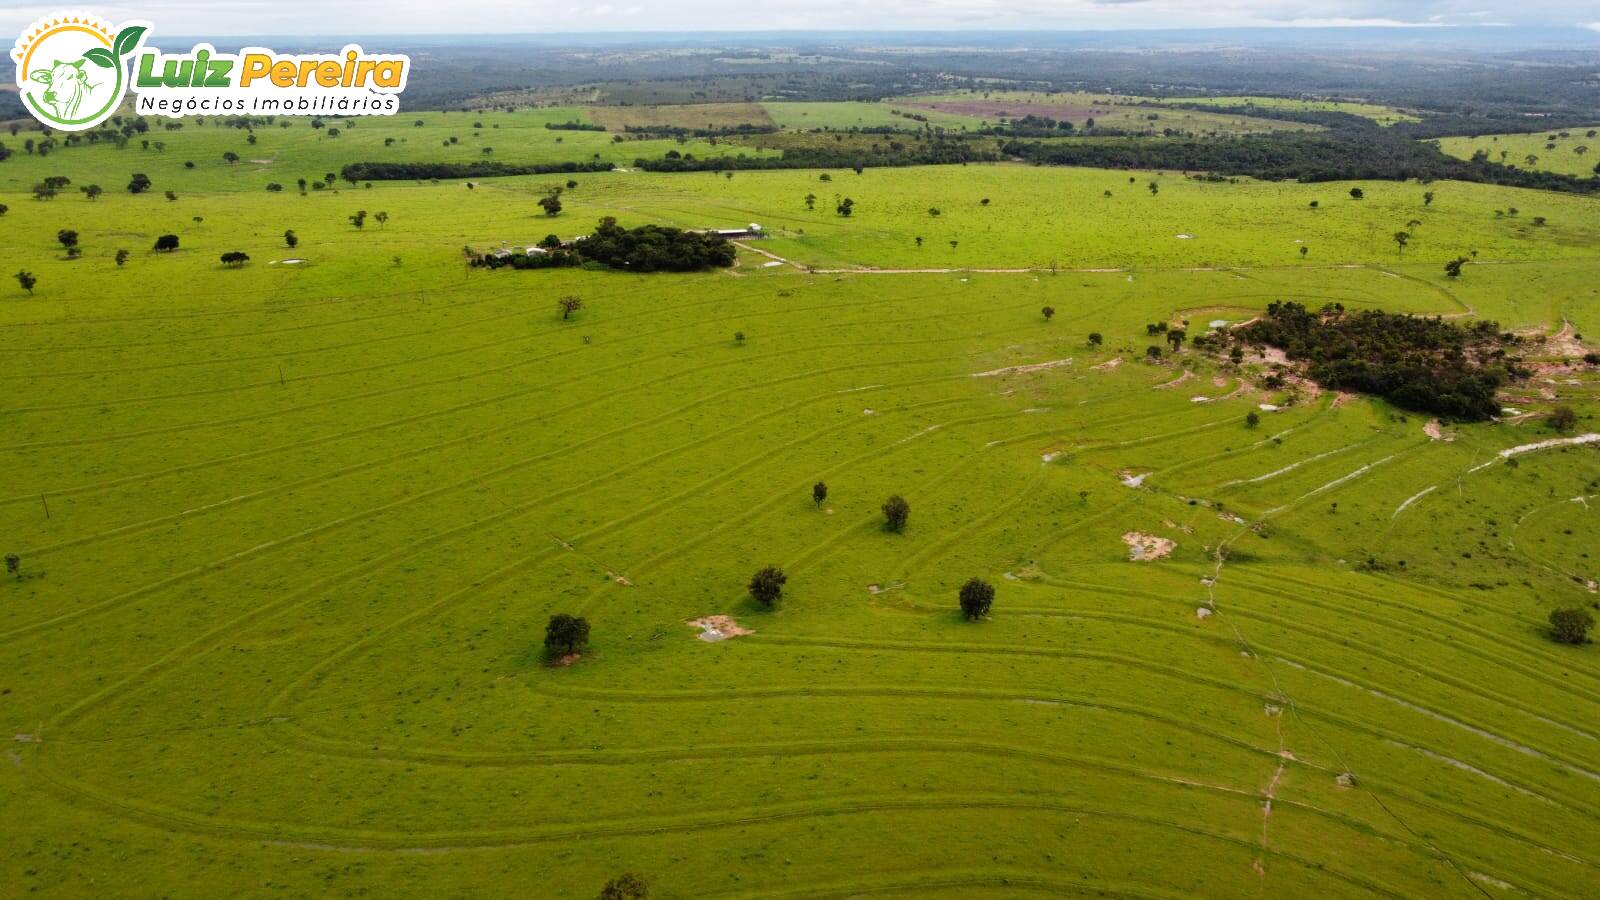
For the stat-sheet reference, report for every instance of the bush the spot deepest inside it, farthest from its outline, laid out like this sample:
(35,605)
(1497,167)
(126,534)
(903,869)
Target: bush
(766,586)
(566,632)
(895,513)
(1571,626)
(977,596)
(166,243)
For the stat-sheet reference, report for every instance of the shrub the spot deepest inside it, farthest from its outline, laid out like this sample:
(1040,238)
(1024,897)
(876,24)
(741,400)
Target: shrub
(766,586)
(895,513)
(1571,626)
(977,596)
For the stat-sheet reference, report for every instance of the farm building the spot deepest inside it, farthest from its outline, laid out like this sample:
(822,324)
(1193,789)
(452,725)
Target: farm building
(749,231)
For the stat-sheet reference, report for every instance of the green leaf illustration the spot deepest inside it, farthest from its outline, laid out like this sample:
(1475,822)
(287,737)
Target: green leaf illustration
(127,39)
(100,56)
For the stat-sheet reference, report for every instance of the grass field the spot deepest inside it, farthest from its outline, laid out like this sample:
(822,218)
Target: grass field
(289,536)
(1383,115)
(1136,114)
(1554,151)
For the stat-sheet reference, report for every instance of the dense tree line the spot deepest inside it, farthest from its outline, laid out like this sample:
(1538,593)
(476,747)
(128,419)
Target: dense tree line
(1415,362)
(721,131)
(936,152)
(647,248)
(1302,157)
(654,248)
(417,171)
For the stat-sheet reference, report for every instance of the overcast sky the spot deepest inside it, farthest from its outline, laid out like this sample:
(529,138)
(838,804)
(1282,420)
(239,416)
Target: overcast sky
(309,17)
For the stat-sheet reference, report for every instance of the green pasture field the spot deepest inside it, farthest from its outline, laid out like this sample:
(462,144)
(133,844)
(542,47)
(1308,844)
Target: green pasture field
(1383,115)
(1551,151)
(286,154)
(289,535)
(1128,113)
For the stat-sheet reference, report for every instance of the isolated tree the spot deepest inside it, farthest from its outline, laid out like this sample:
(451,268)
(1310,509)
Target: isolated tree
(290,239)
(1401,238)
(845,207)
(1176,337)
(382,217)
(171,196)
(766,586)
(4,209)
(953,244)
(68,238)
(139,183)
(1154,188)
(233,259)
(1427,198)
(919,240)
(1315,203)
(935,211)
(1252,419)
(977,596)
(166,243)
(1571,626)
(819,494)
(26,279)
(551,204)
(1357,193)
(359,219)
(811,201)
(626,886)
(1304,250)
(1563,419)
(1152,352)
(566,632)
(122,257)
(274,187)
(230,157)
(302,183)
(1452,269)
(984,202)
(895,513)
(92,191)
(14,565)
(1048,312)
(569,305)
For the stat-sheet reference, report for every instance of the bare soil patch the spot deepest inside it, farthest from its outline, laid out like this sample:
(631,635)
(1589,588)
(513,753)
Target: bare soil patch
(718,628)
(1147,547)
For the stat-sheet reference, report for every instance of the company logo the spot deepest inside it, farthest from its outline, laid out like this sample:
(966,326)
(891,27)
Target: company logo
(71,68)
(74,69)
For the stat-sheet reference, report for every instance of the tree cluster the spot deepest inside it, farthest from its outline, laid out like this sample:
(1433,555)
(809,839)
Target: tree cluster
(1419,363)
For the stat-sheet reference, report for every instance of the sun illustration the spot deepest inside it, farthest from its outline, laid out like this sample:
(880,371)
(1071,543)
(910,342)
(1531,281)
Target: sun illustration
(70,68)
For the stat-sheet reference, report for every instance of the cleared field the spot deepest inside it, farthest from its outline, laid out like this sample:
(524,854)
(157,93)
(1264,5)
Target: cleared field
(1569,151)
(1127,113)
(842,115)
(700,115)
(1383,115)
(279,629)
